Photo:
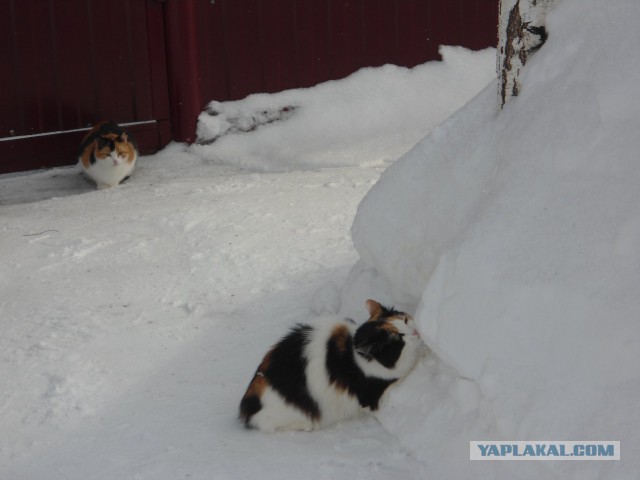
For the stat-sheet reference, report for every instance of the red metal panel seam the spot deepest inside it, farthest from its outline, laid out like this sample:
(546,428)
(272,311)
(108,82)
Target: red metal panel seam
(396,22)
(21,128)
(158,70)
(296,42)
(363,35)
(330,42)
(263,52)
(225,39)
(57,81)
(183,67)
(132,86)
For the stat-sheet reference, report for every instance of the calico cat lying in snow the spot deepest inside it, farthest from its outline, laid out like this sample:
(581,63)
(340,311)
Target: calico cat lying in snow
(317,376)
(107,154)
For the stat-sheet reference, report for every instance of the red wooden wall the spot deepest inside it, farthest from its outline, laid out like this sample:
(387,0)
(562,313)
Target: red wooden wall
(156,63)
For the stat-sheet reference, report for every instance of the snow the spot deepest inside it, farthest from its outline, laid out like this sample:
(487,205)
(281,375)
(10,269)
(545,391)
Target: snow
(133,318)
(368,118)
(514,235)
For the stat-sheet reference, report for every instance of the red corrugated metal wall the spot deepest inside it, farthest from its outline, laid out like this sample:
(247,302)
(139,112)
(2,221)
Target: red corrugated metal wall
(72,63)
(157,63)
(251,46)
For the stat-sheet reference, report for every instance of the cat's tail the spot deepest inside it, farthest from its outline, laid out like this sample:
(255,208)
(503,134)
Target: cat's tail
(251,403)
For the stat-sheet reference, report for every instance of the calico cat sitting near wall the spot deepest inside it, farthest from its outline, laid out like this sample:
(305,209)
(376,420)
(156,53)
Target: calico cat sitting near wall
(107,154)
(319,375)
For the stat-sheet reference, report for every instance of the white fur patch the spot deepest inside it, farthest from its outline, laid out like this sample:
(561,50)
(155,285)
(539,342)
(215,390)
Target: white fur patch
(277,415)
(335,405)
(109,171)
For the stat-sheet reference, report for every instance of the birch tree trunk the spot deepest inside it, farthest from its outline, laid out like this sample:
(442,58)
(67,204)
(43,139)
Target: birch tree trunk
(521,32)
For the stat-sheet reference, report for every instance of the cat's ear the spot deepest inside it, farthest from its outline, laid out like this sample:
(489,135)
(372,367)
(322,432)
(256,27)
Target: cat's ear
(124,137)
(374,308)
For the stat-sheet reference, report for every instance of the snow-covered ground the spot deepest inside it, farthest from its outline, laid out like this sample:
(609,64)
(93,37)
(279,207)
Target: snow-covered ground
(133,318)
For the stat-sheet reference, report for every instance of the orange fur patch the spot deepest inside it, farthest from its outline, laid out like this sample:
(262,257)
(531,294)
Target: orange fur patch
(257,387)
(127,149)
(102,152)
(265,362)
(122,147)
(374,309)
(339,335)
(389,327)
(86,156)
(259,383)
(339,338)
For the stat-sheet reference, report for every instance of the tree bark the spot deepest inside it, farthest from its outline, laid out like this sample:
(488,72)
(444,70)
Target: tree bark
(522,32)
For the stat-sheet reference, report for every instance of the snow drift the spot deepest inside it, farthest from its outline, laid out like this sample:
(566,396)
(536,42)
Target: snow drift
(515,235)
(372,116)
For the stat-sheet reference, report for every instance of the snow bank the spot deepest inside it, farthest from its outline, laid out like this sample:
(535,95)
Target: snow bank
(372,116)
(515,235)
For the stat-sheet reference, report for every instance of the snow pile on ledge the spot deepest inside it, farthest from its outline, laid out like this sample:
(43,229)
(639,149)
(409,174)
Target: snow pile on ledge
(516,236)
(372,116)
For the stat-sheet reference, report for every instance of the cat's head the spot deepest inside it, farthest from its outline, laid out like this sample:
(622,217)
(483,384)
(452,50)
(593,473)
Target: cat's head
(387,345)
(111,143)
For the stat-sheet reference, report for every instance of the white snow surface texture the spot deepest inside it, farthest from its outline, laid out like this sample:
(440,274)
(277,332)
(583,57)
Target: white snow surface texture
(133,318)
(516,235)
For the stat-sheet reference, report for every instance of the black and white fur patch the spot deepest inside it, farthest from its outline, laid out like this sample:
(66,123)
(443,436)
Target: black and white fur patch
(333,370)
